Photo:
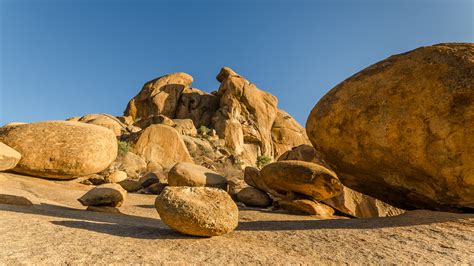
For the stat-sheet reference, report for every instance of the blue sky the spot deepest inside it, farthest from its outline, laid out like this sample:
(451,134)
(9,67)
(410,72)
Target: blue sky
(66,58)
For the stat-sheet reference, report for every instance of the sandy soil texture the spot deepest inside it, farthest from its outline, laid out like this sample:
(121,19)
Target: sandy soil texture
(57,229)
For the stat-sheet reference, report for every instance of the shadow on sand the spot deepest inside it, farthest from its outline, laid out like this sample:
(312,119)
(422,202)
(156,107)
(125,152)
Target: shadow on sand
(150,228)
(118,224)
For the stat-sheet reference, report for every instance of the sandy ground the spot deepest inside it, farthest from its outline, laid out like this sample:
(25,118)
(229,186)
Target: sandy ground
(57,229)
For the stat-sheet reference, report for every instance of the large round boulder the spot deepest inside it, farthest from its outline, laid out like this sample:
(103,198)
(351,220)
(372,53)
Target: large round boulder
(198,211)
(254,197)
(402,130)
(301,177)
(192,175)
(61,149)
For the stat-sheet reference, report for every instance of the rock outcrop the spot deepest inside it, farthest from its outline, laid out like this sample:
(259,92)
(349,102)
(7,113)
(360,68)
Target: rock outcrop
(9,157)
(402,130)
(61,149)
(105,120)
(192,175)
(244,117)
(198,211)
(162,144)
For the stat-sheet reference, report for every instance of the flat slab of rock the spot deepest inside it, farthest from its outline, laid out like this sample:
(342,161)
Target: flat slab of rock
(192,175)
(198,211)
(61,149)
(14,200)
(301,177)
(8,157)
(402,130)
(111,195)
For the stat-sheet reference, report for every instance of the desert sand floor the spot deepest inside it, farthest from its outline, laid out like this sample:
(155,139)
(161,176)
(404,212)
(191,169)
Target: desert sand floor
(57,229)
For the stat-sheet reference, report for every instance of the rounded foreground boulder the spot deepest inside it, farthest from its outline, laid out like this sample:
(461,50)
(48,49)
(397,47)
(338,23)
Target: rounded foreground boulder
(197,211)
(61,149)
(301,177)
(402,130)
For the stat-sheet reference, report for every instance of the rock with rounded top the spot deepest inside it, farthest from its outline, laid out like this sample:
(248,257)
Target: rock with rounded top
(254,197)
(159,96)
(402,130)
(61,149)
(153,178)
(198,211)
(192,175)
(9,157)
(306,206)
(111,195)
(130,185)
(305,153)
(305,178)
(162,144)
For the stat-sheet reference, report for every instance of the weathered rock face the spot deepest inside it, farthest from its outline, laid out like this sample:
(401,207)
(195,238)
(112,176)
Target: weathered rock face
(402,130)
(61,149)
(111,195)
(198,211)
(287,133)
(255,110)
(254,197)
(8,157)
(197,106)
(104,120)
(192,175)
(301,177)
(162,144)
(159,96)
(361,206)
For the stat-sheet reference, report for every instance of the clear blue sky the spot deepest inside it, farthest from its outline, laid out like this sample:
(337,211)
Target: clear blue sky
(67,58)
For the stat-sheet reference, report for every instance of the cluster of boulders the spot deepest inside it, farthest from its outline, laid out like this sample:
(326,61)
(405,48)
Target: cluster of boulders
(400,132)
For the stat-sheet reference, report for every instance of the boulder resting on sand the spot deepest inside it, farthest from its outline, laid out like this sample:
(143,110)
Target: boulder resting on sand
(402,130)
(192,175)
(111,195)
(198,211)
(61,149)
